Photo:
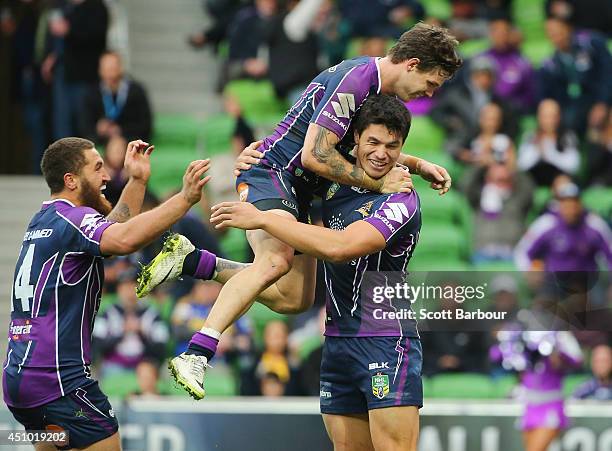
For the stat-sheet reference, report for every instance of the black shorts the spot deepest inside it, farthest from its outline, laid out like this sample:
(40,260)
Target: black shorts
(364,373)
(85,414)
(277,189)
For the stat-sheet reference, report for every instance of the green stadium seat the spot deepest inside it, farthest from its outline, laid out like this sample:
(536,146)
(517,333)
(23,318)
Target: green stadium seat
(256,98)
(217,133)
(537,51)
(120,384)
(500,266)
(234,245)
(425,135)
(444,242)
(599,200)
(462,386)
(177,130)
(473,47)
(529,17)
(168,166)
(503,386)
(440,9)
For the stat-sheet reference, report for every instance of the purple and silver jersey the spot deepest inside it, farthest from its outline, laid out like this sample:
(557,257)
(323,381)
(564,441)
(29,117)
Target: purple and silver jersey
(352,309)
(55,297)
(330,101)
(564,247)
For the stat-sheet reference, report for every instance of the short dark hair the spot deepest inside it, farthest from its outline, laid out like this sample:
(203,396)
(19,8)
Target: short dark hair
(63,156)
(384,110)
(434,46)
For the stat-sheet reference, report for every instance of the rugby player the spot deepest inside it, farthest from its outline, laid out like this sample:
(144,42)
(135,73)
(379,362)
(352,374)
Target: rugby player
(302,147)
(58,280)
(370,371)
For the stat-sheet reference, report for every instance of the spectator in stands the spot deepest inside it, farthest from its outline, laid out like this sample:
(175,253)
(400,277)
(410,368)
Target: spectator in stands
(333,33)
(458,107)
(78,40)
(272,386)
(387,18)
(571,239)
(489,146)
(246,40)
(468,20)
(585,14)
(131,334)
(117,106)
(501,199)
(552,149)
(293,48)
(599,154)
(275,357)
(600,387)
(515,78)
(310,337)
(577,75)
(221,14)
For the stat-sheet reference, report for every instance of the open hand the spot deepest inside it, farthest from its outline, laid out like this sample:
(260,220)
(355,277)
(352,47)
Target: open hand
(241,215)
(248,157)
(193,183)
(137,162)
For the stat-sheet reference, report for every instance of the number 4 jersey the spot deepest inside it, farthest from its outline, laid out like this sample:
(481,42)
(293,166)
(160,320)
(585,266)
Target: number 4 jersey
(55,298)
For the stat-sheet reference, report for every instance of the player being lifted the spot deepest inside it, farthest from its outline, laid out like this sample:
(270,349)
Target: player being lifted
(370,372)
(58,282)
(302,147)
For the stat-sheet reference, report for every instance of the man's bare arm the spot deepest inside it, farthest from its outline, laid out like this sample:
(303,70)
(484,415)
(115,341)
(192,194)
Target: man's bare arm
(320,156)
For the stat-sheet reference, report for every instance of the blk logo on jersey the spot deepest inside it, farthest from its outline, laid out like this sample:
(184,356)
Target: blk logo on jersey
(345,106)
(396,212)
(378,366)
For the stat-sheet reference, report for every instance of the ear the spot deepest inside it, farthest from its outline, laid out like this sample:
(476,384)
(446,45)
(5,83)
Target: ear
(71,181)
(356,137)
(412,63)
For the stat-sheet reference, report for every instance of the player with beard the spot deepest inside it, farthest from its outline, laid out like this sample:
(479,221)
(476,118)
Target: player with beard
(57,285)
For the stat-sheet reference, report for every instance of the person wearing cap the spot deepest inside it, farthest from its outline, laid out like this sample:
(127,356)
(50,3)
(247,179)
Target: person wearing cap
(568,239)
(458,108)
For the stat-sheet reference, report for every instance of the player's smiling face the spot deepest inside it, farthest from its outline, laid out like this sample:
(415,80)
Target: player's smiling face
(377,150)
(93,179)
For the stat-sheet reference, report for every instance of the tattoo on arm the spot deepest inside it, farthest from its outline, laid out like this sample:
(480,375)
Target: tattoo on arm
(326,153)
(120,213)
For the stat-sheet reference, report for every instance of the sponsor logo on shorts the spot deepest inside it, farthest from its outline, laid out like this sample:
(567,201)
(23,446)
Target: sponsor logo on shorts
(378,366)
(380,385)
(243,191)
(79,414)
(325,394)
(111,412)
(289,204)
(18,330)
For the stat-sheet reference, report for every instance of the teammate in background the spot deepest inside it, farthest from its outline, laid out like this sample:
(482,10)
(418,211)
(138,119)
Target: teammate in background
(371,386)
(58,281)
(302,147)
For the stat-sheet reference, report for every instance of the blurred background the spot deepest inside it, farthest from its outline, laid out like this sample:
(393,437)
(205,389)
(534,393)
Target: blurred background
(525,129)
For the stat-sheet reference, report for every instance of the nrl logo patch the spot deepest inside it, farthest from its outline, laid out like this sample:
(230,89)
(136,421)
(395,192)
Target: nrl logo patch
(380,385)
(332,190)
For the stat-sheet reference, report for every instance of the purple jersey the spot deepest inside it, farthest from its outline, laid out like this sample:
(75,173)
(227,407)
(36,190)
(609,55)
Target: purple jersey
(565,247)
(352,311)
(330,101)
(56,295)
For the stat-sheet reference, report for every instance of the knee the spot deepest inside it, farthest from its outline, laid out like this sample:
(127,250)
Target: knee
(272,267)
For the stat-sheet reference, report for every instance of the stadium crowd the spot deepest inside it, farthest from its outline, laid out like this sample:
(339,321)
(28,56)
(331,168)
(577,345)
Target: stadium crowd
(513,128)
